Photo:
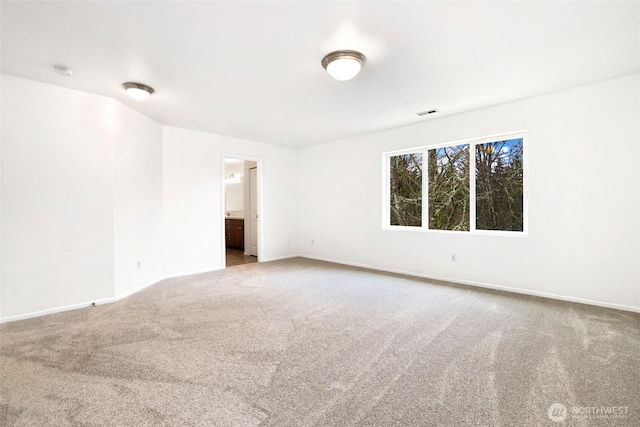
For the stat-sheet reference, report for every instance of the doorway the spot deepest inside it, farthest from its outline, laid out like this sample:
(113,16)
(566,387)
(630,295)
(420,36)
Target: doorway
(241,210)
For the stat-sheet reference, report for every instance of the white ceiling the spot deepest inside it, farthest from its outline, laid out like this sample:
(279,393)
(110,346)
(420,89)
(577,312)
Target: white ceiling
(252,69)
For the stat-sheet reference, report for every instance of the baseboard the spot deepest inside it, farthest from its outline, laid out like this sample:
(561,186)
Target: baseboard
(481,284)
(138,289)
(335,261)
(161,278)
(57,310)
(192,272)
(104,300)
(278,258)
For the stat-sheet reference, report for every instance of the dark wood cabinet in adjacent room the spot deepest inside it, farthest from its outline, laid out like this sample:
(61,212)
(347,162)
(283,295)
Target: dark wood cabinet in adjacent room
(234,233)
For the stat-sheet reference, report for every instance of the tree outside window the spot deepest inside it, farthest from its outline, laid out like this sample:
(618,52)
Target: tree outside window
(493,190)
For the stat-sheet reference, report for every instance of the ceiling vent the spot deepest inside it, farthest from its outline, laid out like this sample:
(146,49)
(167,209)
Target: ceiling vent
(63,71)
(426,113)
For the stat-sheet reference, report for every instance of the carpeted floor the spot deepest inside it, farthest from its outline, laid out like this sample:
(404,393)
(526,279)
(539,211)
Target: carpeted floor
(306,343)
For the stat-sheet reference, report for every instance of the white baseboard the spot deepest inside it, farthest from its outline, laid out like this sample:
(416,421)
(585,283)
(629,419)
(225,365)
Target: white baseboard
(192,272)
(335,261)
(278,258)
(57,310)
(482,285)
(104,300)
(161,278)
(138,289)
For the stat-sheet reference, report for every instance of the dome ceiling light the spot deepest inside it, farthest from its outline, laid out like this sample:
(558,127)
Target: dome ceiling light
(343,65)
(138,91)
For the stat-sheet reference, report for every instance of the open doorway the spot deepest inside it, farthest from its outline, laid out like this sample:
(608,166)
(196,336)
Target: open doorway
(241,211)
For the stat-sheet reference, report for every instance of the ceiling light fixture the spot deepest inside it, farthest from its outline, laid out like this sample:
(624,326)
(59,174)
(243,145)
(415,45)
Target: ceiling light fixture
(343,64)
(138,91)
(234,178)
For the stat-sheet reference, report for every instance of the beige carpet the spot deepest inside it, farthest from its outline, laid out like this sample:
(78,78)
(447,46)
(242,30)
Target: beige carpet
(307,343)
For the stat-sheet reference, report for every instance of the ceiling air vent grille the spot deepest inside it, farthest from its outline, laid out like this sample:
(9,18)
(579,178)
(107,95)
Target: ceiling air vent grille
(426,113)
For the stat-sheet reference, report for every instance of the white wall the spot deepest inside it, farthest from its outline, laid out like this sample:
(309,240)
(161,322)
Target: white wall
(57,196)
(81,199)
(192,198)
(138,207)
(86,190)
(584,198)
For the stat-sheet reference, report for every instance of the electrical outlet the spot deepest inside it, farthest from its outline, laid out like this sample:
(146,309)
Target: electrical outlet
(138,265)
(454,257)
(312,243)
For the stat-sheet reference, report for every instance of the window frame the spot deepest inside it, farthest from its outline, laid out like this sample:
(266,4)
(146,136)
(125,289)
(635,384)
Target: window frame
(472,142)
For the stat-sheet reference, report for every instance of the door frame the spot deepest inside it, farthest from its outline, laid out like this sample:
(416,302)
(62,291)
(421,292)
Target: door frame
(253,191)
(223,195)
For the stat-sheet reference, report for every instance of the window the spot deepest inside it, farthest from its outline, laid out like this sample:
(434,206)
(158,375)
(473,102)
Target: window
(474,186)
(449,188)
(500,185)
(406,189)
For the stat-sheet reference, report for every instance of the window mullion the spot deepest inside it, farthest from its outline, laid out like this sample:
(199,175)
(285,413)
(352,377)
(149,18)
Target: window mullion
(386,185)
(425,190)
(472,187)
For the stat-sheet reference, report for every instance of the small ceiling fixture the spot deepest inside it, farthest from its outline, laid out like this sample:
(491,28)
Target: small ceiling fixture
(427,112)
(343,64)
(63,71)
(138,91)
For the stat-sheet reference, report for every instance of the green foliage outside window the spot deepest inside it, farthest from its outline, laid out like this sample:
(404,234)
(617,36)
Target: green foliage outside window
(448,170)
(406,189)
(499,187)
